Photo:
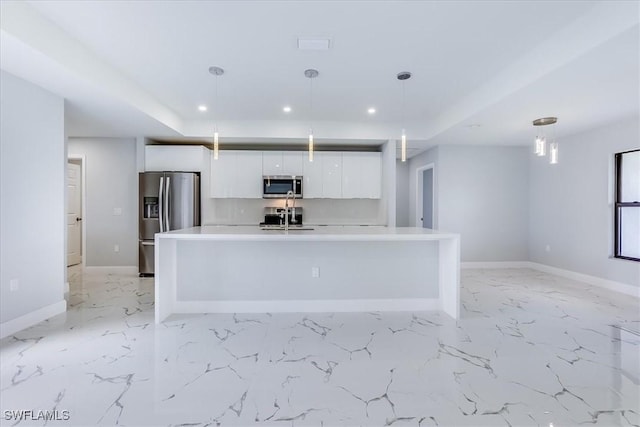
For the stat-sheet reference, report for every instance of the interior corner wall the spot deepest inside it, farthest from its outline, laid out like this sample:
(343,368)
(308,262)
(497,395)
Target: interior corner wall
(389,197)
(402,194)
(571,221)
(481,192)
(32,198)
(111,173)
(430,156)
(483,195)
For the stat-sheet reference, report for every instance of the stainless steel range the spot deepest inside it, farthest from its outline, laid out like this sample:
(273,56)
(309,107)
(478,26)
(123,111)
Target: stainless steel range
(275,217)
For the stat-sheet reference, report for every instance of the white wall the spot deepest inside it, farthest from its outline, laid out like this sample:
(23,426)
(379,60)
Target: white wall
(572,204)
(389,182)
(481,193)
(111,182)
(32,196)
(423,159)
(402,194)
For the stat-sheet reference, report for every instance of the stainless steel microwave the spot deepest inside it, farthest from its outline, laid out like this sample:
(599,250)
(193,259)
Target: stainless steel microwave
(277,186)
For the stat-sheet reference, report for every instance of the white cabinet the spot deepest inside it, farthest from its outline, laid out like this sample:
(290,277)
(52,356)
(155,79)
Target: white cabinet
(323,176)
(282,162)
(223,173)
(312,178)
(237,175)
(248,182)
(331,175)
(293,162)
(272,163)
(350,175)
(185,158)
(361,175)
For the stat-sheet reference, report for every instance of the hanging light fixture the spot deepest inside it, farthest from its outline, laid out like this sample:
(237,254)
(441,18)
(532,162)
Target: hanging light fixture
(311,74)
(216,71)
(553,153)
(541,140)
(402,76)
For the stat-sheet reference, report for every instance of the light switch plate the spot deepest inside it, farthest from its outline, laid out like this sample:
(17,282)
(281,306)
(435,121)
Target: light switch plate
(117,211)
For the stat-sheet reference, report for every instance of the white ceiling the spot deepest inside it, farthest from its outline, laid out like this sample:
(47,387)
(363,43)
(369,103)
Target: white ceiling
(141,68)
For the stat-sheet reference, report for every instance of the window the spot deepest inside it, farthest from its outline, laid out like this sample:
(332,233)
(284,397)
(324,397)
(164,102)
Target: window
(627,205)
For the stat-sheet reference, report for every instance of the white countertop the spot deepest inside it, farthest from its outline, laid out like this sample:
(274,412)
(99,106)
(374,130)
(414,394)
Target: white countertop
(318,233)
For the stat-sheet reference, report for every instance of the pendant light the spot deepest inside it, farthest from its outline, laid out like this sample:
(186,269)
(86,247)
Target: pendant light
(541,140)
(553,153)
(216,71)
(403,76)
(311,74)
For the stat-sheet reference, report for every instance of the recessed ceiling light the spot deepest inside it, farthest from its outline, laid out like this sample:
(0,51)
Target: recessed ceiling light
(474,125)
(286,109)
(371,110)
(202,108)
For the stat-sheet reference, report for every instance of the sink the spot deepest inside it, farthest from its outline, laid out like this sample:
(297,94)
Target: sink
(290,229)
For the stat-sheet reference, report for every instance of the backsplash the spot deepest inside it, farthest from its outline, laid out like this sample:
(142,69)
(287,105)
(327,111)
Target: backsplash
(316,211)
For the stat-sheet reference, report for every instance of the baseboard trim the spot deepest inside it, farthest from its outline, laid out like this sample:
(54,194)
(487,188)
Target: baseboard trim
(304,306)
(10,327)
(118,269)
(500,264)
(611,285)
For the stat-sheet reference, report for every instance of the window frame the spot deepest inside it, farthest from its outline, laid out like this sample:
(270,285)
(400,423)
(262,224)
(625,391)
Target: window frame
(617,205)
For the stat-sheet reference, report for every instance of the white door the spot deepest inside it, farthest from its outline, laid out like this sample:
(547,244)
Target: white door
(74,215)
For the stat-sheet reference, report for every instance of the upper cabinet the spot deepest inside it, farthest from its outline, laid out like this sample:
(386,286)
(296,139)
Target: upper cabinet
(312,177)
(236,174)
(343,175)
(331,175)
(183,158)
(282,162)
(361,175)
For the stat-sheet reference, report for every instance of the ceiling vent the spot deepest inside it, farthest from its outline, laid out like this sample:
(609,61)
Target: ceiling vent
(314,43)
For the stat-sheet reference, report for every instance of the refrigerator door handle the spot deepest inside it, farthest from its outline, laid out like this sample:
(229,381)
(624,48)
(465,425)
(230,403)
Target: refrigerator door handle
(167,222)
(161,204)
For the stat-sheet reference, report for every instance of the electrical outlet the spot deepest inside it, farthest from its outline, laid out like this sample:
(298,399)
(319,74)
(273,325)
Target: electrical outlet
(116,248)
(315,272)
(117,211)
(14,285)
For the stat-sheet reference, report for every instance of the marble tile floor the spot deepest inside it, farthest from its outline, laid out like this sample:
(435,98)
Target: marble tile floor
(531,349)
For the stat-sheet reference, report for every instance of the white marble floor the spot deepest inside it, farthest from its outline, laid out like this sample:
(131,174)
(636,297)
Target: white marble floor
(531,349)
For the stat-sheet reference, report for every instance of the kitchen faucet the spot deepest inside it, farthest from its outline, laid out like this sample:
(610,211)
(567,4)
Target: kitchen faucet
(286,210)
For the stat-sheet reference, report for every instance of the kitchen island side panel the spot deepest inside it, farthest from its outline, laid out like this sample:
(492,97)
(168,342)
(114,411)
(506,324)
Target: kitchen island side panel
(282,270)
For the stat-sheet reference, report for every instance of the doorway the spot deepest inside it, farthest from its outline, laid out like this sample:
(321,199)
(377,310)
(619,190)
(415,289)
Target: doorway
(75,211)
(425,197)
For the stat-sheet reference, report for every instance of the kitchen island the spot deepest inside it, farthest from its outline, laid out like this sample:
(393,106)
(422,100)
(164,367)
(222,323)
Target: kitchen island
(245,269)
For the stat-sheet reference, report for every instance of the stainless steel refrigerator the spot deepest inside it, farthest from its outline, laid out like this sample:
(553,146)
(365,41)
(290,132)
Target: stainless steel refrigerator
(168,201)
